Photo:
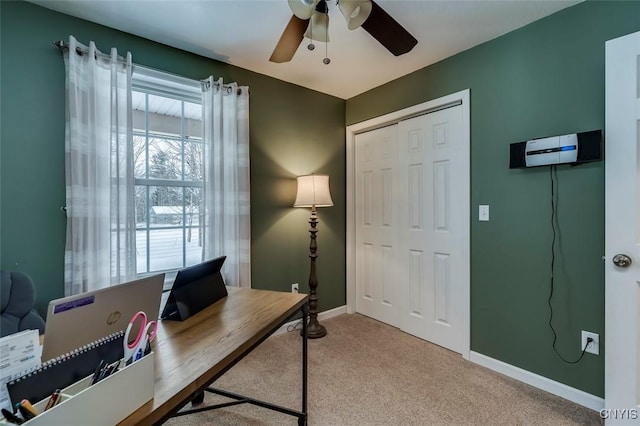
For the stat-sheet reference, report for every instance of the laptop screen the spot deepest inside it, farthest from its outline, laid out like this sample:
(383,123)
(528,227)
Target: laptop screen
(75,321)
(194,289)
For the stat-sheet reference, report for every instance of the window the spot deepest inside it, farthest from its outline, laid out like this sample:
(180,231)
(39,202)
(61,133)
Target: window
(153,202)
(168,161)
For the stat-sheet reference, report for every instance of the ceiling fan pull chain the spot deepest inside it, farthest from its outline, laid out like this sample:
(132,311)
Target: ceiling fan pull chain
(326,59)
(311,46)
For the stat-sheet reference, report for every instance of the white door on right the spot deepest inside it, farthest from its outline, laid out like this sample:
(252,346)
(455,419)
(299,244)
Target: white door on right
(433,226)
(622,224)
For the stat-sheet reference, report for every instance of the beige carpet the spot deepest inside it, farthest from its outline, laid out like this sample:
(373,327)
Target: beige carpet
(367,373)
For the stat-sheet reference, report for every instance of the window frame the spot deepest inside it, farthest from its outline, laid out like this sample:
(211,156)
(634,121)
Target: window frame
(154,82)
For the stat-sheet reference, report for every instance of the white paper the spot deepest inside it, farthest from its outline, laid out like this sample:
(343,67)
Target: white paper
(19,353)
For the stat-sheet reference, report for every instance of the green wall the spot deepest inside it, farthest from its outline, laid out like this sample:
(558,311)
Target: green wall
(544,79)
(284,143)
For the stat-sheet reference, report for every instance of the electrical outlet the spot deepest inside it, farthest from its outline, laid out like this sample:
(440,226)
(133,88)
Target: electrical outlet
(592,347)
(294,288)
(483,213)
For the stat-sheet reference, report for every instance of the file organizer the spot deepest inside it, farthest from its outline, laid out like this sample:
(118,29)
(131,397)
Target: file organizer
(105,403)
(65,370)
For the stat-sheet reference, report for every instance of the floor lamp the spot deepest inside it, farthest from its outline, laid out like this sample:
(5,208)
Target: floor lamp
(313,191)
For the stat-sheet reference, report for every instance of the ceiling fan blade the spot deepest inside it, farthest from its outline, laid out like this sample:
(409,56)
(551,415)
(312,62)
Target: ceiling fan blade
(289,40)
(388,31)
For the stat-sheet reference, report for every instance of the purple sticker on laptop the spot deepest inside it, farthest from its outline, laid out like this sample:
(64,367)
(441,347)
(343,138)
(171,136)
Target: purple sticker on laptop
(67,306)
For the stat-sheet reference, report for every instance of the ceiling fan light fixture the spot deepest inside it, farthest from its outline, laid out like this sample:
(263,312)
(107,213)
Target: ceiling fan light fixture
(303,9)
(322,6)
(311,19)
(355,12)
(318,27)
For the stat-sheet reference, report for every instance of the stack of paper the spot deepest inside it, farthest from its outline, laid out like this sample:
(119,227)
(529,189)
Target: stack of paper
(19,353)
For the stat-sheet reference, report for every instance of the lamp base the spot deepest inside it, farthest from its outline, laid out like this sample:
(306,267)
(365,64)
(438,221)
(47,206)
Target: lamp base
(315,330)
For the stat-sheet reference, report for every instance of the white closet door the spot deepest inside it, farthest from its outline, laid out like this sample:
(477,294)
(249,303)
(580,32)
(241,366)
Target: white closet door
(376,230)
(433,222)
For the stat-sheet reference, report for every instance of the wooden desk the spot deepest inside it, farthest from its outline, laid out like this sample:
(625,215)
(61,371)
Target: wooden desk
(192,354)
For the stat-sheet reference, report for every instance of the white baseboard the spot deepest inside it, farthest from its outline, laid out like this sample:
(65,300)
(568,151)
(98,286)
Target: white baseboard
(321,316)
(567,392)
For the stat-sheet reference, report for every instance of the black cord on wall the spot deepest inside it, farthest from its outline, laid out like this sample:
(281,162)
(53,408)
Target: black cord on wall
(554,176)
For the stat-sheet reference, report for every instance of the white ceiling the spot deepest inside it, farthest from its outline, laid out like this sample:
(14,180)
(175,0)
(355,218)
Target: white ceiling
(244,33)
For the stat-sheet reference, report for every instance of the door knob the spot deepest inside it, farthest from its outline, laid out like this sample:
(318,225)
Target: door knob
(621,260)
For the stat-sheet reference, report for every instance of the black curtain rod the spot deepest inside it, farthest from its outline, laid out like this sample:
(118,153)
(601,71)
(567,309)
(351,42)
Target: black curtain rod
(229,88)
(62,45)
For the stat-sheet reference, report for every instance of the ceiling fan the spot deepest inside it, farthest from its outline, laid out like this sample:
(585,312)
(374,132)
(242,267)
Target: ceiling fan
(311,19)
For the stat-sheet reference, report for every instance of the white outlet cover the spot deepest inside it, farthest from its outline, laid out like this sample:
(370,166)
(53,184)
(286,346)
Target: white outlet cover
(483,213)
(594,347)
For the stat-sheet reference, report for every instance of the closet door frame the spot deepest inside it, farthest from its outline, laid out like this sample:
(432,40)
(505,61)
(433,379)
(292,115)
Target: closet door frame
(459,98)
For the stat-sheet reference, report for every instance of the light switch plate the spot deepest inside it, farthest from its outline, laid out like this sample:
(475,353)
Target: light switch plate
(483,213)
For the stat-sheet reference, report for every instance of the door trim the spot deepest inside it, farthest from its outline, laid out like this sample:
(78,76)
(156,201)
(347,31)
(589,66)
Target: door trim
(393,118)
(620,163)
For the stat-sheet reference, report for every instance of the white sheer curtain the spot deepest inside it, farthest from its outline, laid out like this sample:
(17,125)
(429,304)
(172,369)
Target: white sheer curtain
(100,245)
(226,181)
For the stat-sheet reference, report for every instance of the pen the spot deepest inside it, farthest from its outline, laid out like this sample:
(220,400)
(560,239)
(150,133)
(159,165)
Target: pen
(55,397)
(28,415)
(112,368)
(11,418)
(30,408)
(96,374)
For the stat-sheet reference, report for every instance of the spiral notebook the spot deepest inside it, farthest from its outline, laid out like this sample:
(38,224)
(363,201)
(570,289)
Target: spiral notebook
(39,383)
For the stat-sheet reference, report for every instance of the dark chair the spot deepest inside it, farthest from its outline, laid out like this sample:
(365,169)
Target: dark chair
(17,301)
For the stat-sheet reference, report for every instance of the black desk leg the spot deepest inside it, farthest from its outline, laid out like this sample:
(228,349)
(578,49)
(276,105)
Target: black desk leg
(302,415)
(198,398)
(305,313)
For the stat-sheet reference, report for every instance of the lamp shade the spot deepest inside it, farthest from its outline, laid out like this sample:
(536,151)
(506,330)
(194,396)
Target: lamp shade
(302,8)
(313,191)
(318,28)
(355,12)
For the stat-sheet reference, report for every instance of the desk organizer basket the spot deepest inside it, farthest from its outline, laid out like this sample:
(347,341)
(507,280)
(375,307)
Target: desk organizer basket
(107,402)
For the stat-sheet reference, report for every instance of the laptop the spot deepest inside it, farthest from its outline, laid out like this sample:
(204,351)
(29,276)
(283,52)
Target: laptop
(78,320)
(195,288)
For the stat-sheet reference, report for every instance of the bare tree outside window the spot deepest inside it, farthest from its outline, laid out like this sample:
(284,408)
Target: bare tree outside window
(168,155)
